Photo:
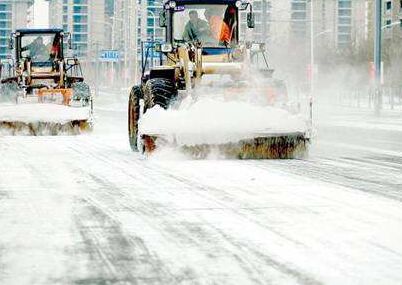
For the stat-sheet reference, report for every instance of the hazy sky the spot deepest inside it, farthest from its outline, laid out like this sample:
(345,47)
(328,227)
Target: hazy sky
(41,13)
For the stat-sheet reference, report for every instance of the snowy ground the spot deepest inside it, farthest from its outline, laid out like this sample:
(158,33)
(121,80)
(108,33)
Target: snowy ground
(86,210)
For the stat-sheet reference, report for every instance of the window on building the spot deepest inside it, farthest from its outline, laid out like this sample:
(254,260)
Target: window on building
(298,6)
(345,21)
(344,29)
(342,39)
(257,5)
(345,4)
(3,52)
(80,38)
(4,24)
(80,28)
(80,9)
(299,16)
(388,5)
(80,2)
(5,16)
(80,19)
(345,12)
(5,7)
(388,23)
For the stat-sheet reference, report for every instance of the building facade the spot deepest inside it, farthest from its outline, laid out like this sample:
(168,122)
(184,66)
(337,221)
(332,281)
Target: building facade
(86,20)
(392,21)
(10,20)
(342,25)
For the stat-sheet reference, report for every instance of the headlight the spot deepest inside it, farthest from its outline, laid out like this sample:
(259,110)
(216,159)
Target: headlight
(238,4)
(172,4)
(166,48)
(255,47)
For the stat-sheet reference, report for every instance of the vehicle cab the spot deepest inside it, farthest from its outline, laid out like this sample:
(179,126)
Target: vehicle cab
(213,25)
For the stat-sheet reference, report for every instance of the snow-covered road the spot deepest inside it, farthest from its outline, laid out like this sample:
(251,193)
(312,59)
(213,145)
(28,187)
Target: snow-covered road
(86,210)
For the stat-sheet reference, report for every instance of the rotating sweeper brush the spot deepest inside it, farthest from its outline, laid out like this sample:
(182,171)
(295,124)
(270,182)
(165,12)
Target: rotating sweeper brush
(41,91)
(263,146)
(211,94)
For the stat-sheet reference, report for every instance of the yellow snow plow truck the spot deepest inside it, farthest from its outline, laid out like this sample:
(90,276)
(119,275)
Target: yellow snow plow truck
(42,92)
(205,66)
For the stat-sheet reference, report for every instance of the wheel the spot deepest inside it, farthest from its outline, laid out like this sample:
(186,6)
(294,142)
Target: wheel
(159,91)
(8,91)
(81,93)
(134,116)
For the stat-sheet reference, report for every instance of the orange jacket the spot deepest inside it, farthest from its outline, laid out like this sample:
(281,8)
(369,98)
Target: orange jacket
(220,30)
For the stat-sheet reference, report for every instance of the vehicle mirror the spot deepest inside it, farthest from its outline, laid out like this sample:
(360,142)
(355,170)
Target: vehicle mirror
(162,19)
(11,43)
(69,42)
(250,20)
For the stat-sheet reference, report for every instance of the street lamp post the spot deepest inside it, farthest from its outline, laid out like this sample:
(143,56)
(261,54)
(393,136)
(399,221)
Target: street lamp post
(312,45)
(154,21)
(153,35)
(153,31)
(112,27)
(311,60)
(377,54)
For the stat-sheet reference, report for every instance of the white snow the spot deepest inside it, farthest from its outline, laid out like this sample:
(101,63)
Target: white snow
(214,121)
(87,210)
(36,112)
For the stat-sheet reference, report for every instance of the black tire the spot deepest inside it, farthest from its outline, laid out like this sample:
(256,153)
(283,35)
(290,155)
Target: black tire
(82,92)
(8,91)
(159,91)
(134,116)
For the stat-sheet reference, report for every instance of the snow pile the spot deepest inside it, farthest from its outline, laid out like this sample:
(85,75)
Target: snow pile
(212,121)
(35,112)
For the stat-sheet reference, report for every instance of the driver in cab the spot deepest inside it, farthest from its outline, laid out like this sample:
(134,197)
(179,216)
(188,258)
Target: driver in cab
(196,29)
(37,49)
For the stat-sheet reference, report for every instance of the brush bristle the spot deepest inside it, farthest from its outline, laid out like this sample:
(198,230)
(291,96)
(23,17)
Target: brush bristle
(283,147)
(44,128)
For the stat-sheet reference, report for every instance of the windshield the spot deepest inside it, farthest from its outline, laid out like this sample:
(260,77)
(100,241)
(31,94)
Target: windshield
(40,48)
(212,25)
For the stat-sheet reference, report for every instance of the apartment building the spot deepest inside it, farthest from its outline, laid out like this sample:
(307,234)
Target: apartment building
(261,32)
(153,8)
(392,18)
(86,20)
(342,24)
(13,15)
(299,18)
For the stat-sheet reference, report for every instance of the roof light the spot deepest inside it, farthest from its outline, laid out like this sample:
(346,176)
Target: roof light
(172,4)
(166,47)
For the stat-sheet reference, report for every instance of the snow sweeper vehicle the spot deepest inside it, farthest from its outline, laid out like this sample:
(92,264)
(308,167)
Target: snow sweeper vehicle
(42,91)
(206,67)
